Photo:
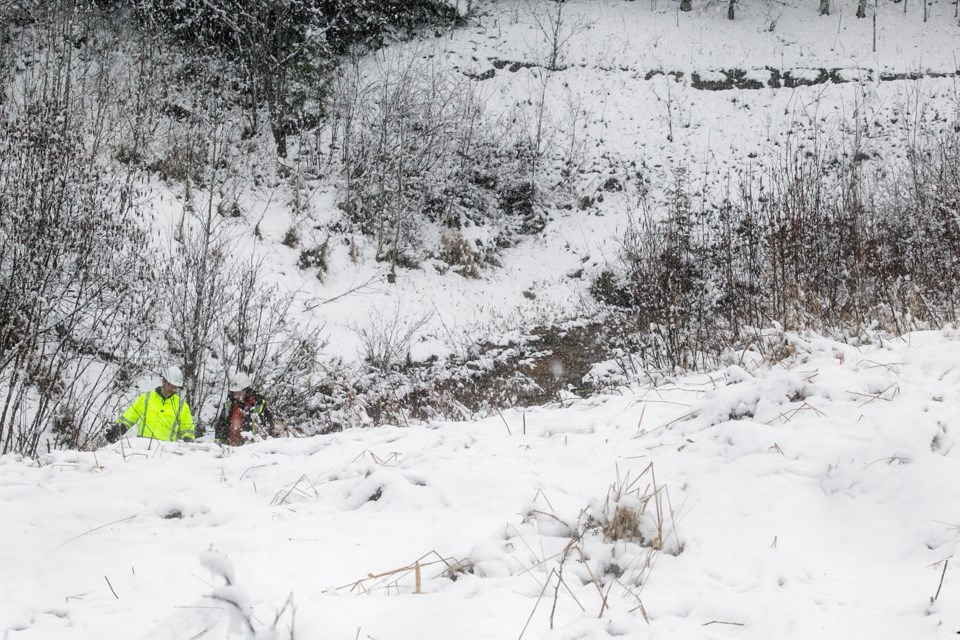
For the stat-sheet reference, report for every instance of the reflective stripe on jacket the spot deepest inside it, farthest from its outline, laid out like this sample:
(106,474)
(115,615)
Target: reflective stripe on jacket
(159,418)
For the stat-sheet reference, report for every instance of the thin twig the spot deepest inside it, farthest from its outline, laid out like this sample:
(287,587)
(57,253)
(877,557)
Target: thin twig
(291,490)
(509,433)
(103,526)
(536,604)
(691,414)
(606,596)
(643,411)
(248,469)
(313,304)
(572,595)
(942,574)
(118,597)
(288,603)
(556,590)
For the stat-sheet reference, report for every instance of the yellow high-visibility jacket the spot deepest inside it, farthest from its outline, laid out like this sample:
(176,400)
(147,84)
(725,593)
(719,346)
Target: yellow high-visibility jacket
(159,418)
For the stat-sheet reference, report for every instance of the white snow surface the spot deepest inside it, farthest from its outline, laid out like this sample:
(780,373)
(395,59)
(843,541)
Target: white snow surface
(815,497)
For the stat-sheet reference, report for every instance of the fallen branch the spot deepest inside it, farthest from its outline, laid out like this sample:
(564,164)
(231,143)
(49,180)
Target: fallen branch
(313,304)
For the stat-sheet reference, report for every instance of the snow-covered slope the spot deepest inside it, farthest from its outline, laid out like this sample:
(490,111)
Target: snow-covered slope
(811,497)
(630,98)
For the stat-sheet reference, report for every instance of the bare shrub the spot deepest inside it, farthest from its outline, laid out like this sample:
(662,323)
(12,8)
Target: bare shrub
(397,141)
(828,238)
(557,26)
(387,335)
(256,335)
(665,305)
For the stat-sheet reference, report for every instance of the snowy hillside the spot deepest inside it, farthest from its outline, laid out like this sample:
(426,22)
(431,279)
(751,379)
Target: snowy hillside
(809,497)
(797,486)
(640,91)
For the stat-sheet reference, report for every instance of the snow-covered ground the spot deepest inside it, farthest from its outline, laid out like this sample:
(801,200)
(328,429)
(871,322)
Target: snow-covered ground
(810,495)
(814,496)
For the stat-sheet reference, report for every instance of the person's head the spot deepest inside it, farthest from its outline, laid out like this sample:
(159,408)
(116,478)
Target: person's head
(172,380)
(238,382)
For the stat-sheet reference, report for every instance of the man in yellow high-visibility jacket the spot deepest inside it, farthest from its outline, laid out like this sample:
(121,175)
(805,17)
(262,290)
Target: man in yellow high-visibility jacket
(161,413)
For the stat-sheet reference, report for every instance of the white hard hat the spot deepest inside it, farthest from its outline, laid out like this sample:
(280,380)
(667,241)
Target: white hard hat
(173,375)
(239,381)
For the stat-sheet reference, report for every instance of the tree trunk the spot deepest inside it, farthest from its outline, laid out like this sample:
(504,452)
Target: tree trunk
(279,137)
(274,91)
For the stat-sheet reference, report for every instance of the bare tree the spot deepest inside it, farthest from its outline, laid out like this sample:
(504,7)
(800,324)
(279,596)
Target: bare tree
(386,337)
(197,269)
(557,29)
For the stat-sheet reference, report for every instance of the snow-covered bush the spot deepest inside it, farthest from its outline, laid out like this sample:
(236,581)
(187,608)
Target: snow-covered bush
(386,337)
(231,319)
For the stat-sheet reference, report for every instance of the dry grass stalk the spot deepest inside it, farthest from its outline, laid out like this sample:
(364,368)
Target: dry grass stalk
(619,518)
(103,526)
(536,604)
(388,580)
(377,459)
(278,500)
(787,416)
(625,525)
